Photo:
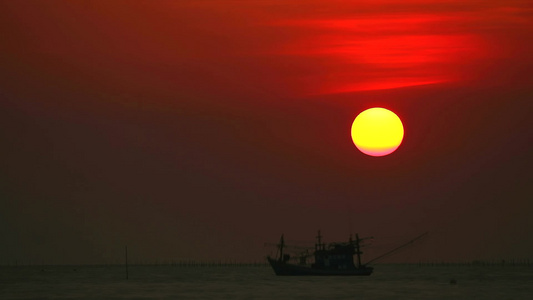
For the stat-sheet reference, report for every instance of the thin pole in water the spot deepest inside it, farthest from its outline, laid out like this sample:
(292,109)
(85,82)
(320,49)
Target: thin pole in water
(127,275)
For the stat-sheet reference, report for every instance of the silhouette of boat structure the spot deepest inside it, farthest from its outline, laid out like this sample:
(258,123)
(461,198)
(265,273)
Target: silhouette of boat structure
(332,259)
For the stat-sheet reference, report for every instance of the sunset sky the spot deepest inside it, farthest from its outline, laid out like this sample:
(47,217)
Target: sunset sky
(201,129)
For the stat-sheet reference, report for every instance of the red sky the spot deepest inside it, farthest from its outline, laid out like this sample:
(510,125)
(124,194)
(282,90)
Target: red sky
(202,129)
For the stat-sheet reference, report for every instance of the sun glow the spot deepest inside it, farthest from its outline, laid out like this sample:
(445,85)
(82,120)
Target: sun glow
(382,51)
(377,131)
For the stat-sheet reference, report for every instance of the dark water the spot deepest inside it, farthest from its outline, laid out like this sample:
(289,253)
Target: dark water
(169,282)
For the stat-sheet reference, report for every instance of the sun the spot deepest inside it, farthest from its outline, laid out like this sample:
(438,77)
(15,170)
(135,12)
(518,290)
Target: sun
(377,131)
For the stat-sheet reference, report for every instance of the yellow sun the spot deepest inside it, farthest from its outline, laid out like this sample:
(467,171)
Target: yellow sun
(377,131)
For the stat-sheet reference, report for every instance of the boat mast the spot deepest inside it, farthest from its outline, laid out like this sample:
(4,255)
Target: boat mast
(319,245)
(358,250)
(281,245)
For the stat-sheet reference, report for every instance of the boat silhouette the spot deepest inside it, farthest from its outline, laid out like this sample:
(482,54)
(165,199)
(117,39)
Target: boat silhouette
(335,259)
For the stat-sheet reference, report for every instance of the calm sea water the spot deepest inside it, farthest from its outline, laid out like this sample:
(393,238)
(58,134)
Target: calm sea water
(170,282)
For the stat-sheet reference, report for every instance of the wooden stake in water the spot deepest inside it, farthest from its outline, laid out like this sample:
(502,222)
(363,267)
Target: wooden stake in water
(127,275)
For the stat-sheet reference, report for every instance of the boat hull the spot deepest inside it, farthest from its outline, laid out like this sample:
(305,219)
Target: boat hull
(284,269)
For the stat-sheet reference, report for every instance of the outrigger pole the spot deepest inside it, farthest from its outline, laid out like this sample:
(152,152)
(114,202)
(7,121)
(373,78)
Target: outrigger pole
(400,247)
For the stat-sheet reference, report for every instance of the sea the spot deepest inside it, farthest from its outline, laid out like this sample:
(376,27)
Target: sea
(259,282)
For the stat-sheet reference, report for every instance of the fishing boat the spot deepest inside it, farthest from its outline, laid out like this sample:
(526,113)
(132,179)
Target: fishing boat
(334,259)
